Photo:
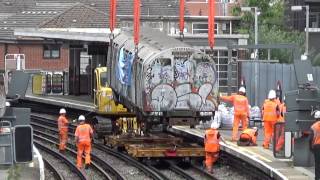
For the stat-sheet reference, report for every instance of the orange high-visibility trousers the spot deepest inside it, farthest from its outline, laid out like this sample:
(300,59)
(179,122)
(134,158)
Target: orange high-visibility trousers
(63,137)
(211,158)
(268,132)
(83,147)
(280,141)
(244,121)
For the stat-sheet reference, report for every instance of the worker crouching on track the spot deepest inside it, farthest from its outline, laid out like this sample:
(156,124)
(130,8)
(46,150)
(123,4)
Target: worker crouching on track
(241,111)
(270,114)
(84,135)
(315,144)
(248,137)
(63,130)
(212,146)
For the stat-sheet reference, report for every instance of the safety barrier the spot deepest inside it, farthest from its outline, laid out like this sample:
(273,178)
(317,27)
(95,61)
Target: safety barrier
(48,83)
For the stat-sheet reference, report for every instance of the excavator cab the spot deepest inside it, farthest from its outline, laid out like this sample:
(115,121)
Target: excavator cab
(103,95)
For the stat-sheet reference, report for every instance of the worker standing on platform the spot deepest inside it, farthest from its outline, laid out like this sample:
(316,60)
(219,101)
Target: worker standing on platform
(241,111)
(248,137)
(270,114)
(315,143)
(84,135)
(63,130)
(212,146)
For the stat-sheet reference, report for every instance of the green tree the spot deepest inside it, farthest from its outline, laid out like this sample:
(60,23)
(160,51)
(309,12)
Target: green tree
(272,28)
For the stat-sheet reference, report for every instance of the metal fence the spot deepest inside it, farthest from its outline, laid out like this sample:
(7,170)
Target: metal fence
(268,75)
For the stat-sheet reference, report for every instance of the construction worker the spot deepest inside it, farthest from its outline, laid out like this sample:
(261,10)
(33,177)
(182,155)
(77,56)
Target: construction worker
(283,110)
(270,115)
(212,146)
(315,144)
(248,137)
(241,111)
(63,130)
(84,135)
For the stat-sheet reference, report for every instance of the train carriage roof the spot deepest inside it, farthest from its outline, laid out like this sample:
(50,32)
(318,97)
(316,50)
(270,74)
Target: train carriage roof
(150,41)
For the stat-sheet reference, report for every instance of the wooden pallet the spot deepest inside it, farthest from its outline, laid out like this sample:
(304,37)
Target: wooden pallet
(124,140)
(165,150)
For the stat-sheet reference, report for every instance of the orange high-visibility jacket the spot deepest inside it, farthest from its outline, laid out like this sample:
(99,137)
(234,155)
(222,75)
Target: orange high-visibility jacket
(270,110)
(283,109)
(251,133)
(240,103)
(316,131)
(84,133)
(62,123)
(211,141)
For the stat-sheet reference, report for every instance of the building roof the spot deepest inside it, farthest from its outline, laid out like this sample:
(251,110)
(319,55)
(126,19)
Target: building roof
(31,17)
(125,7)
(78,16)
(14,6)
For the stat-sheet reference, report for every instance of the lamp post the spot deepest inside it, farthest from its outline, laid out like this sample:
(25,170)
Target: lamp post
(299,8)
(256,13)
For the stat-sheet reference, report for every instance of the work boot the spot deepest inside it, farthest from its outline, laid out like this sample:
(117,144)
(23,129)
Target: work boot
(87,166)
(265,146)
(62,151)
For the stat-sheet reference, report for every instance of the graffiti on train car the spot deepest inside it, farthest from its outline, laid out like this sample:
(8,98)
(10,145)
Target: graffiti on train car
(182,83)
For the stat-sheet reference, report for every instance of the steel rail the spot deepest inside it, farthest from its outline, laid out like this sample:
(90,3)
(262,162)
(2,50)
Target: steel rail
(70,164)
(96,160)
(152,172)
(178,170)
(50,167)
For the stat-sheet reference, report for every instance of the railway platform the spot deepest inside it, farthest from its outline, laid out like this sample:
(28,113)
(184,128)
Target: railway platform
(27,171)
(75,102)
(254,155)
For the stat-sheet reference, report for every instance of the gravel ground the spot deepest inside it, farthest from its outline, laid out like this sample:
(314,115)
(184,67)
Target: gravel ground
(60,166)
(128,171)
(91,173)
(223,172)
(163,168)
(48,174)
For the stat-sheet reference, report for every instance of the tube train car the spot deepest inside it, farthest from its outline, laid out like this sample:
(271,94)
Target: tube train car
(166,81)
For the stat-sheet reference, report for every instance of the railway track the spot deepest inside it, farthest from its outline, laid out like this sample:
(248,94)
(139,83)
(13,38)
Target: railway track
(123,164)
(96,171)
(171,171)
(51,171)
(67,169)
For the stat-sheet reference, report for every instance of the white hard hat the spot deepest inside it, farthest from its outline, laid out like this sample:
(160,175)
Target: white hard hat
(8,104)
(62,111)
(242,89)
(81,118)
(317,115)
(272,94)
(214,125)
(255,128)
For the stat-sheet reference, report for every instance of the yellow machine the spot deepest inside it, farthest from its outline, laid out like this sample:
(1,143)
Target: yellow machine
(103,98)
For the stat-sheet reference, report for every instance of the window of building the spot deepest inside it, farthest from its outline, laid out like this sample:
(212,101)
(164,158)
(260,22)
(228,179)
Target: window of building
(154,25)
(202,28)
(314,20)
(225,28)
(51,51)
